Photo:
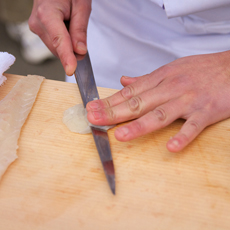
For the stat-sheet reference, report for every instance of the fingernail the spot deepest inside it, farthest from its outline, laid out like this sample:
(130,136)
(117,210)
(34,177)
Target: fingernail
(81,47)
(123,131)
(67,68)
(97,115)
(174,143)
(69,71)
(94,105)
(126,77)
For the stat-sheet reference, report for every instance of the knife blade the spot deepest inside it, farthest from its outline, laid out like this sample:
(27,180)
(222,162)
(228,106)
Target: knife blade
(88,90)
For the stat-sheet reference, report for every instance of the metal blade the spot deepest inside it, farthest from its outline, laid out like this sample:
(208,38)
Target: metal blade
(88,90)
(102,143)
(85,80)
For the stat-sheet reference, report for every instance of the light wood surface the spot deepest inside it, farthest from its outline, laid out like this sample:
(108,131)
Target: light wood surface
(57,182)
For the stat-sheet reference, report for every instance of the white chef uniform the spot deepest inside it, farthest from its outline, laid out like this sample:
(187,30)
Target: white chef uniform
(135,37)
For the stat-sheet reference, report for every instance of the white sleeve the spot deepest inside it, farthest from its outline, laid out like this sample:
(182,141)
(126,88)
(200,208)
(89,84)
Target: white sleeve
(158,2)
(177,8)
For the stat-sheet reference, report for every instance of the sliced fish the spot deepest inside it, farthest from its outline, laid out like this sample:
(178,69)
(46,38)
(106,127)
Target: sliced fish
(75,118)
(14,109)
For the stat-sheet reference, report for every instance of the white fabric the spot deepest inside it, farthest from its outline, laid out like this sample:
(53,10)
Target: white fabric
(175,8)
(6,60)
(158,2)
(133,38)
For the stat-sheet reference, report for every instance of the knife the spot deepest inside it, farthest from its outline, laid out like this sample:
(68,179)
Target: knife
(88,90)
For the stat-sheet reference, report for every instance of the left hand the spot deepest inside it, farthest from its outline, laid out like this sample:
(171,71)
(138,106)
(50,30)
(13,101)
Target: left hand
(195,88)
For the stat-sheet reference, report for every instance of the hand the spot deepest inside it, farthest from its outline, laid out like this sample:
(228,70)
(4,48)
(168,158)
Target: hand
(47,21)
(195,88)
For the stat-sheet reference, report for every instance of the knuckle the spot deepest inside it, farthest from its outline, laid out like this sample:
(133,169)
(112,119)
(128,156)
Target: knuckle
(166,70)
(135,104)
(37,19)
(56,41)
(111,115)
(81,31)
(210,105)
(127,92)
(40,13)
(194,125)
(107,103)
(160,114)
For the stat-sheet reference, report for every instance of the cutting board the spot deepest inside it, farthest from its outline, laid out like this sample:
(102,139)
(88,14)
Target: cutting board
(57,182)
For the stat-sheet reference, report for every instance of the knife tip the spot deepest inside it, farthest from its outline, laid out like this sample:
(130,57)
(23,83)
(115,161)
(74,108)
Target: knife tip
(113,191)
(111,180)
(110,174)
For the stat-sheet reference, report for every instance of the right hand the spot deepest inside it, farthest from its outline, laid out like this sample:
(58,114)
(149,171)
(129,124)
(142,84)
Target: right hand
(47,21)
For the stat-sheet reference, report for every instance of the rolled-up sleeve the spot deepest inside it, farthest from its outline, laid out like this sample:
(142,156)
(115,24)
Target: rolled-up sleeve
(177,8)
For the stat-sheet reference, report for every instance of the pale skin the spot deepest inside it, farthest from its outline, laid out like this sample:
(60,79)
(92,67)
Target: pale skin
(194,88)
(47,21)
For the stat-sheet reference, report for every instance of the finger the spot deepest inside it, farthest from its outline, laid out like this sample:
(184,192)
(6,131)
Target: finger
(78,25)
(156,119)
(62,44)
(191,128)
(128,110)
(136,106)
(125,80)
(48,24)
(143,84)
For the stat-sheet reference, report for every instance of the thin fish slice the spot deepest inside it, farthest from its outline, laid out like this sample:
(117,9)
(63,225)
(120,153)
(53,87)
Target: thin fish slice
(14,109)
(75,118)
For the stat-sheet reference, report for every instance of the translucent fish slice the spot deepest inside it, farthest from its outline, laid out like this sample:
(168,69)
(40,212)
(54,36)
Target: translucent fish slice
(14,109)
(75,118)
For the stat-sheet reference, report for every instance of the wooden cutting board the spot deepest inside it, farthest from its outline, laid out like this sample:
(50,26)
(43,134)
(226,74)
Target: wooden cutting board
(57,182)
